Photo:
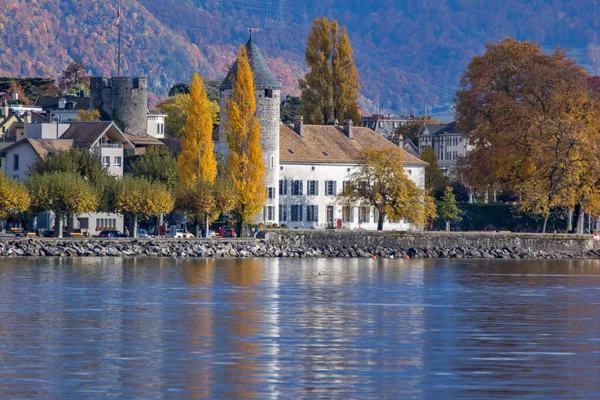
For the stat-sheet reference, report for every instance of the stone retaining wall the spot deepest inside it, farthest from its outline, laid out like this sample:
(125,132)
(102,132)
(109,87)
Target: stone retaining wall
(313,243)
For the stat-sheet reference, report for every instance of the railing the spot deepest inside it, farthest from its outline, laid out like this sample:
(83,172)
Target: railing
(111,145)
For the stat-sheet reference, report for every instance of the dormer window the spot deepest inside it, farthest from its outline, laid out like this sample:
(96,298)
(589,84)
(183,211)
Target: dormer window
(291,151)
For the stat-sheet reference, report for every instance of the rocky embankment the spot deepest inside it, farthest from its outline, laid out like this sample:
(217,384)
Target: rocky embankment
(257,248)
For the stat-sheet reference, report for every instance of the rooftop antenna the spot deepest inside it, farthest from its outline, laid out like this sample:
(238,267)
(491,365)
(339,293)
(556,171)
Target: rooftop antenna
(250,33)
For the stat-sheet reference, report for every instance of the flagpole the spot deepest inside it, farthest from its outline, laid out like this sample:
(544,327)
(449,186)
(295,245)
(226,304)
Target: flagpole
(119,56)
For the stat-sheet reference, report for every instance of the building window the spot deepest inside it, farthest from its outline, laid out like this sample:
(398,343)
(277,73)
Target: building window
(312,213)
(106,161)
(158,129)
(0,163)
(271,192)
(380,124)
(118,161)
(16,177)
(269,93)
(282,213)
(330,188)
(347,214)
(296,213)
(312,188)
(297,188)
(272,162)
(16,162)
(270,213)
(345,185)
(283,187)
(395,124)
(364,215)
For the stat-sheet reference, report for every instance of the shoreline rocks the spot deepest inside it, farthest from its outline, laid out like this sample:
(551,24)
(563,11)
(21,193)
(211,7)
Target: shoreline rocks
(249,248)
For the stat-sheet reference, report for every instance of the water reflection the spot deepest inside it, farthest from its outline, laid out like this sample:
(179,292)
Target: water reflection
(299,328)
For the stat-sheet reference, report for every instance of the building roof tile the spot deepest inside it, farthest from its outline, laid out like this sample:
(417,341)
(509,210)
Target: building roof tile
(263,77)
(329,144)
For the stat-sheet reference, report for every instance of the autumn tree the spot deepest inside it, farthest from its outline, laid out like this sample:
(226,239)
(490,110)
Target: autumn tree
(13,196)
(197,161)
(197,165)
(242,128)
(87,115)
(447,208)
(142,199)
(330,88)
(434,177)
(533,125)
(176,108)
(382,183)
(64,193)
(74,79)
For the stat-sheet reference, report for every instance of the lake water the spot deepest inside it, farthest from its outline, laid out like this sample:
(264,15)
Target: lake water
(329,328)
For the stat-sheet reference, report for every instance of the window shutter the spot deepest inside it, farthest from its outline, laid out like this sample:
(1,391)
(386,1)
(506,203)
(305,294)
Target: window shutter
(316,188)
(316,216)
(300,189)
(334,187)
(299,213)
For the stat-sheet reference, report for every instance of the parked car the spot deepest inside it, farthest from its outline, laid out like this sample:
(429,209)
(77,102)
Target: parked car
(111,233)
(142,233)
(52,234)
(181,234)
(227,231)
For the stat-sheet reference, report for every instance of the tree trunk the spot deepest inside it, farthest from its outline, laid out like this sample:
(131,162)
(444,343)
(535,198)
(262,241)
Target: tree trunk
(545,223)
(487,196)
(570,221)
(206,225)
(134,233)
(160,222)
(580,221)
(447,226)
(380,221)
(58,225)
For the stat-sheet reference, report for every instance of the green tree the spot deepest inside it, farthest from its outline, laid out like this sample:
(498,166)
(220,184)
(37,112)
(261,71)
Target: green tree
(434,178)
(410,130)
(142,199)
(290,108)
(13,196)
(447,208)
(179,88)
(330,88)
(382,183)
(245,162)
(64,193)
(157,165)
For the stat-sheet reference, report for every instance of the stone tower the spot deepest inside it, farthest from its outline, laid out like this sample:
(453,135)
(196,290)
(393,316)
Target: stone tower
(267,94)
(123,100)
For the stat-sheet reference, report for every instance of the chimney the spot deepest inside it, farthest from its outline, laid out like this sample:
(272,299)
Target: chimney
(48,115)
(333,121)
(348,128)
(62,103)
(28,117)
(5,109)
(299,125)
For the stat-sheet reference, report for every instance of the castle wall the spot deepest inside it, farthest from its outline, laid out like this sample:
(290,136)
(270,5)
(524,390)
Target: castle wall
(122,100)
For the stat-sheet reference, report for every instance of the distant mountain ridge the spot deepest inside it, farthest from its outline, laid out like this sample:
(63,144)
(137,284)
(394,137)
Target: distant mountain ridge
(410,54)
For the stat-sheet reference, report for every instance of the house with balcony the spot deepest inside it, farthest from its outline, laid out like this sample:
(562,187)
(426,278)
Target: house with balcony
(104,139)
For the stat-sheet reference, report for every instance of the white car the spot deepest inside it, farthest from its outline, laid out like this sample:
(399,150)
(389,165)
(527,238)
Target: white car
(181,234)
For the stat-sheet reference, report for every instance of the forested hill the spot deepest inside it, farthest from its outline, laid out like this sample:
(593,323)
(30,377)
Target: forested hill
(410,54)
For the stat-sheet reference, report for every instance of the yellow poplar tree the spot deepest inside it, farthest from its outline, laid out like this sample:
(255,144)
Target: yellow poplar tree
(197,161)
(13,196)
(243,137)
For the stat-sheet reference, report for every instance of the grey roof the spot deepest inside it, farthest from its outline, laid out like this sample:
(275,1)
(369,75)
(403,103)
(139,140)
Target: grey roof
(263,77)
(85,134)
(51,102)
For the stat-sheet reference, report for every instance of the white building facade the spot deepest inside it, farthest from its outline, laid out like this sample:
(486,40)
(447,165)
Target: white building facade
(448,143)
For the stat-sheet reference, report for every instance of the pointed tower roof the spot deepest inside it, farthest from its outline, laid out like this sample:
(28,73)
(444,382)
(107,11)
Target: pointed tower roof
(263,77)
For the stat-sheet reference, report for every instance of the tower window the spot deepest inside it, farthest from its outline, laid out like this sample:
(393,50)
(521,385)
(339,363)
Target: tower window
(269,93)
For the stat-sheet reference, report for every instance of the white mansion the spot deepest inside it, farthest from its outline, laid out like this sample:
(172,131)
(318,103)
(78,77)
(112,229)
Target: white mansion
(307,166)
